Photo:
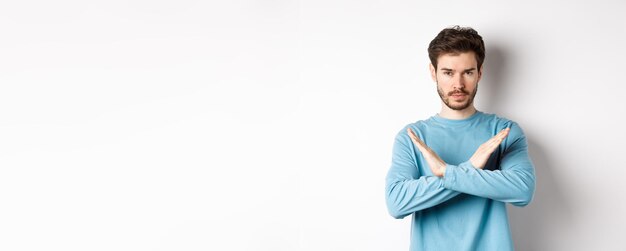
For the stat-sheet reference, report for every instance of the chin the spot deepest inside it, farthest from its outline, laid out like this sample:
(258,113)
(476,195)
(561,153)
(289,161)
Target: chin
(459,107)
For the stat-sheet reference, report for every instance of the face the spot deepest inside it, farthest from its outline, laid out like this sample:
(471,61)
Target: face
(457,79)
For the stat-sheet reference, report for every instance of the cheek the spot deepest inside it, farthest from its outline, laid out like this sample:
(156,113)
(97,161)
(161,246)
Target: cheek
(444,82)
(470,80)
(441,78)
(443,87)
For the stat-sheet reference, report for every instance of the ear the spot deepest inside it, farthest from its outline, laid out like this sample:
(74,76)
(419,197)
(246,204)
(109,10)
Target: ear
(433,72)
(480,73)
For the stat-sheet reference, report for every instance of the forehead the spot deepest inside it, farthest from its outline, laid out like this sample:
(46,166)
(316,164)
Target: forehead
(457,61)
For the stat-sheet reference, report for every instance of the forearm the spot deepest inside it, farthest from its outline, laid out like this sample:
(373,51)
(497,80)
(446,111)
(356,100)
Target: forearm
(513,185)
(405,197)
(407,189)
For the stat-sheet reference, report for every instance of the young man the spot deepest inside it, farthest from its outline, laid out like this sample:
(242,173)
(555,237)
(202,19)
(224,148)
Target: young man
(455,171)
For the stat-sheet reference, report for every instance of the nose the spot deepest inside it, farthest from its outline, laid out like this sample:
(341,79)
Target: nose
(458,82)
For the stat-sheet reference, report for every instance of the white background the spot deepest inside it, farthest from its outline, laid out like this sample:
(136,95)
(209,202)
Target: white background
(268,125)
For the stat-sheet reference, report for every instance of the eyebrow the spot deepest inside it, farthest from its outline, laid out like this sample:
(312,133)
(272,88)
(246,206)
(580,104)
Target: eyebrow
(466,70)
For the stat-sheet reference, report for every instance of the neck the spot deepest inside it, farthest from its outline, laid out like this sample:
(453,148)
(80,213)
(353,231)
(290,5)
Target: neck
(448,113)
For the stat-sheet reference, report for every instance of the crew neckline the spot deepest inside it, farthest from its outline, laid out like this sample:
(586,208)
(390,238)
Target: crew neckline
(443,120)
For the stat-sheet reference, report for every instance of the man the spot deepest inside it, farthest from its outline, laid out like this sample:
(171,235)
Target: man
(455,171)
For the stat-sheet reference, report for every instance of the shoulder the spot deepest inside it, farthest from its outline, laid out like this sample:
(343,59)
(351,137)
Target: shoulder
(499,123)
(418,127)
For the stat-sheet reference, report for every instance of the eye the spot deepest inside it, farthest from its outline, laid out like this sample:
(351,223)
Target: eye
(469,73)
(447,73)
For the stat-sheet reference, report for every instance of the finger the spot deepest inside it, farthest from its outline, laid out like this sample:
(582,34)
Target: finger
(413,135)
(416,140)
(495,141)
(503,134)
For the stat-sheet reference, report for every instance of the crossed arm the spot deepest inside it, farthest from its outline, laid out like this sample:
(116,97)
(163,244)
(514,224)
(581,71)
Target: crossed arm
(407,191)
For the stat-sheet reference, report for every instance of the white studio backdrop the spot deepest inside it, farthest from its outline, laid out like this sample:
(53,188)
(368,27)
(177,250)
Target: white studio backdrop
(268,125)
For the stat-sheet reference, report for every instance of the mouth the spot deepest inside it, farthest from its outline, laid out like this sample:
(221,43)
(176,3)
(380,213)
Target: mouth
(458,95)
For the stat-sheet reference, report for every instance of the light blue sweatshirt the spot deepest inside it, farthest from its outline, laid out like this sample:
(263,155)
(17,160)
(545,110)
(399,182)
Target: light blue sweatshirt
(465,209)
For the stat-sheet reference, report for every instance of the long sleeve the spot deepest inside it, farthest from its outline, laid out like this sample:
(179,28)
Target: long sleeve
(408,191)
(466,208)
(514,182)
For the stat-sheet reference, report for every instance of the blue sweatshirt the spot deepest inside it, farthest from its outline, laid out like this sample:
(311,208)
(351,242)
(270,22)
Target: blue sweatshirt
(465,209)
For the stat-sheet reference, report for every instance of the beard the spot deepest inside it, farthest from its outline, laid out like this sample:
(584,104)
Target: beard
(461,106)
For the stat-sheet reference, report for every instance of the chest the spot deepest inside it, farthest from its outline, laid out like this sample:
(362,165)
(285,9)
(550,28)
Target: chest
(457,145)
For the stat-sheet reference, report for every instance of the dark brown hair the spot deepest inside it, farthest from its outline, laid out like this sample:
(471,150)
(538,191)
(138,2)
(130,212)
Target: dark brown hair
(457,40)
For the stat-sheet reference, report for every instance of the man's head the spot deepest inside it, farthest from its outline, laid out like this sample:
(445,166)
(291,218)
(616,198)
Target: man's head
(456,57)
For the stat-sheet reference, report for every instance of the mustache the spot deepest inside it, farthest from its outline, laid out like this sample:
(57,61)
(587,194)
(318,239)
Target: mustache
(461,91)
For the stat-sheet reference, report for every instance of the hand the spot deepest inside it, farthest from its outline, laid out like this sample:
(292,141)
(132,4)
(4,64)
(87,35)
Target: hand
(480,157)
(436,164)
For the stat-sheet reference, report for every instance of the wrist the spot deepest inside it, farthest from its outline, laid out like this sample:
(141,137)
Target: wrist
(474,164)
(443,170)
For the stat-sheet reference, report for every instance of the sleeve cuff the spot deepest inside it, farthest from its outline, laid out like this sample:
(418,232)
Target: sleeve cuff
(453,173)
(449,177)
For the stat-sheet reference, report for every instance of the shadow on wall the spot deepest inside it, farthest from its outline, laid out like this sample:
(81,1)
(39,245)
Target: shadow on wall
(490,88)
(531,226)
